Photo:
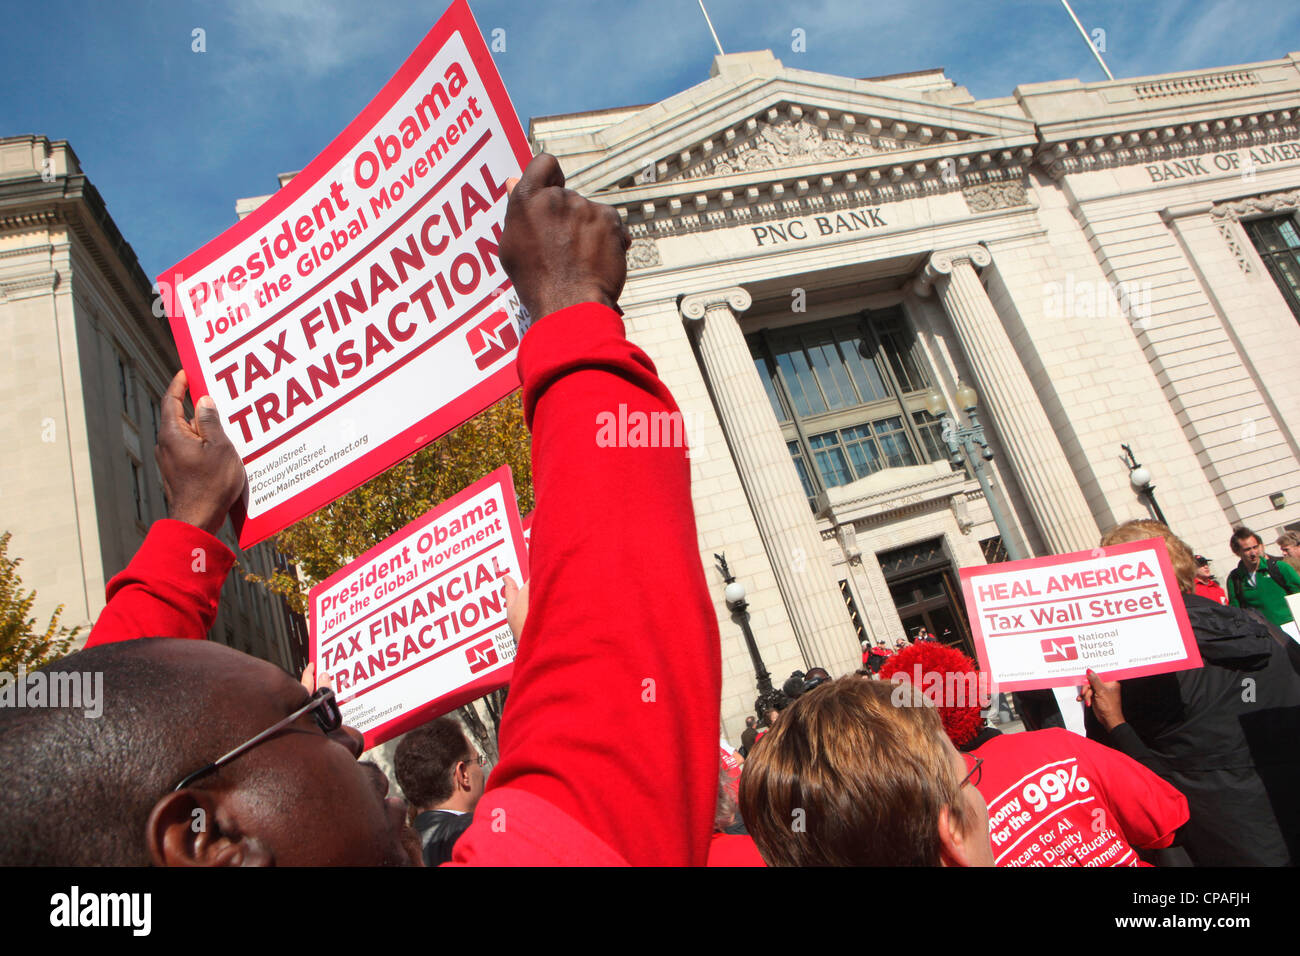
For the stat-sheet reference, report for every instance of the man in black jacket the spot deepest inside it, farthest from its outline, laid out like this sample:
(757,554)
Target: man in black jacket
(1224,734)
(442,777)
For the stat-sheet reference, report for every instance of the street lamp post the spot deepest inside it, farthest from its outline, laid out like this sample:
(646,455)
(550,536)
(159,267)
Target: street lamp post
(735,598)
(967,438)
(1141,479)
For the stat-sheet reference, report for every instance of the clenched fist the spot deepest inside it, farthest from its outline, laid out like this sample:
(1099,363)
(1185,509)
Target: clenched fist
(558,248)
(202,474)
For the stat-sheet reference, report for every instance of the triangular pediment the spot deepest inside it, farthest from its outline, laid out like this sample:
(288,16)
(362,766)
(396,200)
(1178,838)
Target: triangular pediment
(747,122)
(788,134)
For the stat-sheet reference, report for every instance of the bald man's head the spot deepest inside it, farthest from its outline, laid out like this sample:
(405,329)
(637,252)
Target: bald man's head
(96,791)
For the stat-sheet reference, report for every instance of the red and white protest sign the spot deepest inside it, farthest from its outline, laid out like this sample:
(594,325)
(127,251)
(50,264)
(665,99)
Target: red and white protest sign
(1044,622)
(362,311)
(416,626)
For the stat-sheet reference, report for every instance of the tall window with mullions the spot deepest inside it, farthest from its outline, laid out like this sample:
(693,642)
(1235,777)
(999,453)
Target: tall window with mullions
(1277,240)
(849,394)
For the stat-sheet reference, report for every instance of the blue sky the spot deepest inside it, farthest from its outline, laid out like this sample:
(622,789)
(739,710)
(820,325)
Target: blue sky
(172,137)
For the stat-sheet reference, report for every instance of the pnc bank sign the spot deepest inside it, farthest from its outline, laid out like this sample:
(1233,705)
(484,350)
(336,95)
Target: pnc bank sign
(816,227)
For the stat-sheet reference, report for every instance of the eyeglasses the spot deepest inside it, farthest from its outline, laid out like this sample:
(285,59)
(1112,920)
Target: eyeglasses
(973,776)
(480,759)
(321,705)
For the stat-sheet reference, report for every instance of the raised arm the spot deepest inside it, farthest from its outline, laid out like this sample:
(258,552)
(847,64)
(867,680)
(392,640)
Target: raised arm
(172,585)
(613,710)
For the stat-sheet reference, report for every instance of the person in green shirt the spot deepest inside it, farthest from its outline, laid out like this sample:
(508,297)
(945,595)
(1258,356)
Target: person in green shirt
(1259,581)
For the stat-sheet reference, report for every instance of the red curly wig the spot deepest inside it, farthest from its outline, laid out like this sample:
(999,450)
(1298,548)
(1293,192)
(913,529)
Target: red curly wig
(962,722)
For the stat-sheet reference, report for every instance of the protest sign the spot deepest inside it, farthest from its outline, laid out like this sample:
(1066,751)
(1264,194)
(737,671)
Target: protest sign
(1044,622)
(416,626)
(362,310)
(528,531)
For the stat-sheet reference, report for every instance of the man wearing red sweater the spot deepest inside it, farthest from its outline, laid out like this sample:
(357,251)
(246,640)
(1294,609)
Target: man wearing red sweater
(595,668)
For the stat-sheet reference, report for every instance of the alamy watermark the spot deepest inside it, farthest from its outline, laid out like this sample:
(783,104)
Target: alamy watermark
(639,429)
(71,689)
(1089,299)
(943,689)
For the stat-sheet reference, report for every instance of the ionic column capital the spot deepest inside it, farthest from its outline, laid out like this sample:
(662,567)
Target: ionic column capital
(694,307)
(941,264)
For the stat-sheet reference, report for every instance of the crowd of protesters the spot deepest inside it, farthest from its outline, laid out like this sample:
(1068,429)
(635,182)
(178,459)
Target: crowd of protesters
(1196,767)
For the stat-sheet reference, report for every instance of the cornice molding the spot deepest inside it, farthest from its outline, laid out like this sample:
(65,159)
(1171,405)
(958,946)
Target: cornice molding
(1196,85)
(40,250)
(26,286)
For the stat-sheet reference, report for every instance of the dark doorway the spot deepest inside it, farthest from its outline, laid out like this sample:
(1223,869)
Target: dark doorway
(927,593)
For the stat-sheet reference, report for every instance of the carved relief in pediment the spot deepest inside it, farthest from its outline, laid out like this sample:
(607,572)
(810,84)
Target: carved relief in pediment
(790,135)
(786,144)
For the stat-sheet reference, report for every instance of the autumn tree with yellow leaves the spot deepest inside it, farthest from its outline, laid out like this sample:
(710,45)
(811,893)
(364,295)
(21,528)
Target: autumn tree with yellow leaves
(22,641)
(325,541)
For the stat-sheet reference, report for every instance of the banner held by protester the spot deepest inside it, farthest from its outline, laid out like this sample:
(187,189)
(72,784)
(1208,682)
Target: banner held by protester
(362,311)
(1045,622)
(416,626)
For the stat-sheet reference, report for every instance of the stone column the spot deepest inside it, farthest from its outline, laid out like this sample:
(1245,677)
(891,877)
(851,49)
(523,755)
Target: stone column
(799,559)
(1030,444)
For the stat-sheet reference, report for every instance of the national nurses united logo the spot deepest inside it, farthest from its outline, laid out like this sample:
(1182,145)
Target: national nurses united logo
(1059,649)
(482,655)
(492,339)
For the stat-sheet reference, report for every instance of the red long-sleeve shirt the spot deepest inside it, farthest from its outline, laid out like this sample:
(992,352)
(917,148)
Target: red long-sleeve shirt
(609,739)
(612,717)
(170,588)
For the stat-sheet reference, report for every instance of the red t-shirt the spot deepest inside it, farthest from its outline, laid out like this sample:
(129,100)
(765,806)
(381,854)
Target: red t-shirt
(1058,799)
(1211,590)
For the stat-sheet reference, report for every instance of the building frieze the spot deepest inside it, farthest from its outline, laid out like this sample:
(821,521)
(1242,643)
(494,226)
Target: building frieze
(986,197)
(831,194)
(1168,143)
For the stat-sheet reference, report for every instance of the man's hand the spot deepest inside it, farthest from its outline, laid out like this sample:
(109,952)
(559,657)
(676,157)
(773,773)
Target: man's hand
(202,475)
(313,681)
(1104,699)
(558,248)
(516,606)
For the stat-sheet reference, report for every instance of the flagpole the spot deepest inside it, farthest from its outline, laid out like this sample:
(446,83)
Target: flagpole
(1082,32)
(713,31)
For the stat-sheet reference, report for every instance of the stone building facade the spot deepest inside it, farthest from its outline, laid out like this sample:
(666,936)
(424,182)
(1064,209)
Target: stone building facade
(87,359)
(1105,263)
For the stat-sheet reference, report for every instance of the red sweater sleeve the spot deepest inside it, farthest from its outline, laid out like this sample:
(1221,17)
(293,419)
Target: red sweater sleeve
(612,716)
(1148,810)
(170,588)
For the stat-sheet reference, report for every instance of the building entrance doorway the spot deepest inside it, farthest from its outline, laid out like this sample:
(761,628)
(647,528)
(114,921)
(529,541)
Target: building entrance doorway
(927,593)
